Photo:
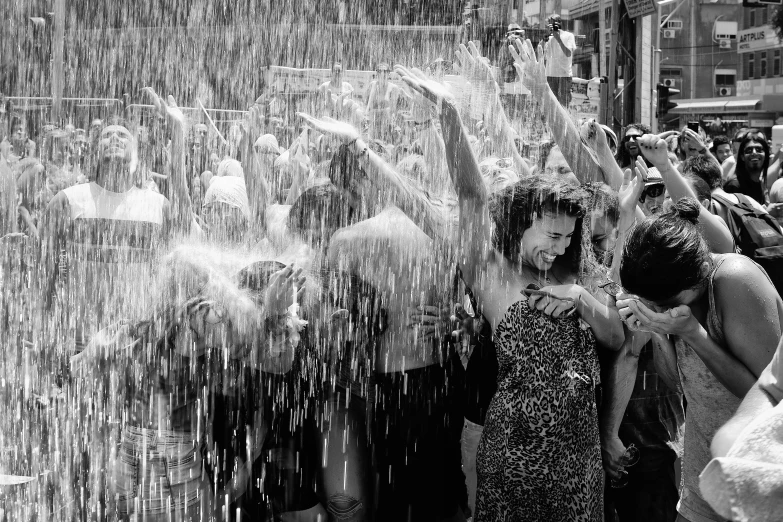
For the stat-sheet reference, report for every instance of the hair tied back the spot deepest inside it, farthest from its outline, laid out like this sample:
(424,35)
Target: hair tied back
(687,209)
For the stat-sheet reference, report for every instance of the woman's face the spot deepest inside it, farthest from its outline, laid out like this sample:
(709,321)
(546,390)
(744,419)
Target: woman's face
(557,163)
(753,155)
(547,238)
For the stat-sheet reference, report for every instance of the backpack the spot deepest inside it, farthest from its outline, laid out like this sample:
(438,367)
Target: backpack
(758,236)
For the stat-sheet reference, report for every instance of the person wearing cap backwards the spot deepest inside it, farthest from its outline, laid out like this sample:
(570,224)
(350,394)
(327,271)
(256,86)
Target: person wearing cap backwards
(558,52)
(100,240)
(653,194)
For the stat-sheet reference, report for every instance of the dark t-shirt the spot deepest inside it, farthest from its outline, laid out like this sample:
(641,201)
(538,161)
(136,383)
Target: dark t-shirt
(752,189)
(653,416)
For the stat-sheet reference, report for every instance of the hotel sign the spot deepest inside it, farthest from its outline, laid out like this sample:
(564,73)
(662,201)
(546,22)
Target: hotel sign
(757,39)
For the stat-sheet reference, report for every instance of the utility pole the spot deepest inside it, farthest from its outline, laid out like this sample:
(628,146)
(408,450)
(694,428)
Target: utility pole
(58,42)
(602,38)
(612,65)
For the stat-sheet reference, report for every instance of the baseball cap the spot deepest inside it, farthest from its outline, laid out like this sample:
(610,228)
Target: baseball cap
(653,177)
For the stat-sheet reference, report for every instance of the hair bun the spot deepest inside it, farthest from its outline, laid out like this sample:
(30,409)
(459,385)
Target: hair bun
(687,209)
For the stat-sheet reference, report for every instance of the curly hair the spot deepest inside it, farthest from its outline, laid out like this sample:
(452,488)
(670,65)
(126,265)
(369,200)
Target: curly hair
(515,208)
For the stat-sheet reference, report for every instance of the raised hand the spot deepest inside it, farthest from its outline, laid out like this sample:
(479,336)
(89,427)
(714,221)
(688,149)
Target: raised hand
(167,109)
(593,135)
(529,65)
(474,67)
(279,293)
(691,142)
(432,90)
(630,191)
(339,129)
(656,150)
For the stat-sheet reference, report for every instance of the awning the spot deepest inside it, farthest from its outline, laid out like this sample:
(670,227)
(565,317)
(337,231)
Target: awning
(687,107)
(742,104)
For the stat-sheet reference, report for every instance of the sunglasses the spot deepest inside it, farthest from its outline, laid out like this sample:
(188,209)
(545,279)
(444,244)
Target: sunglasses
(754,150)
(634,137)
(653,191)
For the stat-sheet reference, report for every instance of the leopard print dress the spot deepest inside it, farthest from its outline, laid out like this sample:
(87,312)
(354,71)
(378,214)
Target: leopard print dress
(539,457)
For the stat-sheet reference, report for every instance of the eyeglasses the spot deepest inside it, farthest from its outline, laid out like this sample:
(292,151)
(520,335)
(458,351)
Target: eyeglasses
(629,458)
(612,288)
(630,137)
(754,150)
(383,71)
(653,191)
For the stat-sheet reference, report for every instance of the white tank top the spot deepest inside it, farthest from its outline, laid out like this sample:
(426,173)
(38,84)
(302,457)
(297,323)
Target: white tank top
(114,240)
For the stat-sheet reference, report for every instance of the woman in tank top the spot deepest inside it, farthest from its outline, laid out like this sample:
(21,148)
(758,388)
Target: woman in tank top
(723,316)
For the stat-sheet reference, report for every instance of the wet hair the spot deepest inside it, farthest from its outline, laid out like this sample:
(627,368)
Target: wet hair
(622,156)
(663,255)
(699,186)
(344,168)
(603,198)
(318,212)
(515,208)
(706,168)
(717,141)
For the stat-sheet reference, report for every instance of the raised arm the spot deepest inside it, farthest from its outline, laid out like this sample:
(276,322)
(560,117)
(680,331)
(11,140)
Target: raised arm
(181,206)
(476,70)
(530,69)
(396,188)
(715,232)
(254,167)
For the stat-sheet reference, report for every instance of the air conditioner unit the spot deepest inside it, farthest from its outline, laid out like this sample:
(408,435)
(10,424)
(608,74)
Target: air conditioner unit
(724,91)
(725,44)
(669,33)
(669,82)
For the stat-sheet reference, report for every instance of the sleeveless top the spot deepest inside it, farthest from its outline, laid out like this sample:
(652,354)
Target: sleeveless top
(710,406)
(113,240)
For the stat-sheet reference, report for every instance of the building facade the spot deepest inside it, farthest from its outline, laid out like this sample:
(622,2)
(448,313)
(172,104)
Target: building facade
(761,67)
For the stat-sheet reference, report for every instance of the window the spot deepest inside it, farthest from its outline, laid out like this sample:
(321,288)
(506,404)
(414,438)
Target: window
(752,18)
(763,65)
(673,24)
(751,67)
(763,16)
(776,63)
(725,77)
(671,72)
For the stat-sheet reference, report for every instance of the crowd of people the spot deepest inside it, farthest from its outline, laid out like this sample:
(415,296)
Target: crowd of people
(411,308)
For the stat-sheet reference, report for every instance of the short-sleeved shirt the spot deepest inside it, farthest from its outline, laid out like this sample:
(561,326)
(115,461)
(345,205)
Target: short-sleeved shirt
(771,379)
(557,63)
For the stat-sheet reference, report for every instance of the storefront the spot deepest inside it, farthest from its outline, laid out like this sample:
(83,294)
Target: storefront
(735,113)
